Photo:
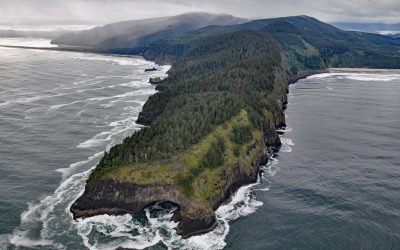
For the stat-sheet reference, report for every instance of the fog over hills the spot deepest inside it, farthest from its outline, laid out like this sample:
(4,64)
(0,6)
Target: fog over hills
(134,33)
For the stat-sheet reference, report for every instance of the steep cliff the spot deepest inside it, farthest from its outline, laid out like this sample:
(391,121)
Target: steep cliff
(110,195)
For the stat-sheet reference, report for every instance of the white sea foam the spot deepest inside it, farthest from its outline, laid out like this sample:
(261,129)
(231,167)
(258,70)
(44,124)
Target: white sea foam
(243,203)
(358,76)
(322,75)
(22,240)
(129,94)
(107,136)
(45,215)
(38,214)
(35,98)
(58,106)
(284,130)
(373,77)
(119,228)
(80,112)
(66,172)
(124,61)
(42,28)
(286,145)
(132,84)
(115,98)
(29,42)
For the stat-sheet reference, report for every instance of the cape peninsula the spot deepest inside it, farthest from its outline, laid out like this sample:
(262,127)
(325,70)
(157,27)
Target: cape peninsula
(214,121)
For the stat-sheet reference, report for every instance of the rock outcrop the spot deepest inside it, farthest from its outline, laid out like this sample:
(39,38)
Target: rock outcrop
(114,197)
(155,80)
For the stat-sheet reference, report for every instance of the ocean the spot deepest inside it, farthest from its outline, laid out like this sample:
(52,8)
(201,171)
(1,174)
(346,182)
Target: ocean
(334,184)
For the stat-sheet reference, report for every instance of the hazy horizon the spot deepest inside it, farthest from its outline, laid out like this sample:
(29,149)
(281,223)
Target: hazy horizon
(97,12)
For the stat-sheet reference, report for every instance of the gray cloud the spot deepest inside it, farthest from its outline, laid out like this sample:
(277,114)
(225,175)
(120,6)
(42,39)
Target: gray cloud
(105,11)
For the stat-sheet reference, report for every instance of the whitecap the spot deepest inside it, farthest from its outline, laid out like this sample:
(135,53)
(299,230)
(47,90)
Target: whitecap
(322,75)
(129,94)
(58,106)
(284,130)
(20,239)
(373,77)
(106,136)
(358,76)
(243,203)
(80,112)
(67,171)
(124,61)
(287,141)
(38,214)
(286,145)
(42,214)
(119,230)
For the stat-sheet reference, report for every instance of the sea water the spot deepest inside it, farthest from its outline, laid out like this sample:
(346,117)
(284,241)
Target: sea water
(333,184)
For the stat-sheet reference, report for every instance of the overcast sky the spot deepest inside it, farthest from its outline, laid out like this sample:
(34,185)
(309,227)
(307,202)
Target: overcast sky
(106,11)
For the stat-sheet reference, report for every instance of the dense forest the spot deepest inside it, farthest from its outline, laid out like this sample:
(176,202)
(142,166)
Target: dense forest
(213,81)
(214,120)
(219,71)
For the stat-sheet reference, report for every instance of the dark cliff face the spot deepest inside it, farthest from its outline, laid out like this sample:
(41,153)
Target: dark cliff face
(113,197)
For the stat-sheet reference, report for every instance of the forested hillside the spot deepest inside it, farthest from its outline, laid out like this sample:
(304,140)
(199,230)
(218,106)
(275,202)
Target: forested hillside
(211,82)
(134,33)
(210,126)
(307,43)
(220,70)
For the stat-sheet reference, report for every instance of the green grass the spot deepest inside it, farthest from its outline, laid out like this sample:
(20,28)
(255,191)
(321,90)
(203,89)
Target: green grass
(188,170)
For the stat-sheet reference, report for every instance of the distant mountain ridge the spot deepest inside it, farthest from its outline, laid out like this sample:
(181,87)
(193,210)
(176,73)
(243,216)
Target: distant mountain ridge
(370,27)
(31,34)
(137,32)
(307,42)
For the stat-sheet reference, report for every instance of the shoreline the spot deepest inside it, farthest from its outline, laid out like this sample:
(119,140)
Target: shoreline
(80,50)
(205,225)
(192,226)
(307,73)
(364,70)
(292,80)
(304,74)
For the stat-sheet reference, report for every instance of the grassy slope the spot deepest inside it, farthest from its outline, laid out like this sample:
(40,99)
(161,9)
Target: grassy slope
(205,181)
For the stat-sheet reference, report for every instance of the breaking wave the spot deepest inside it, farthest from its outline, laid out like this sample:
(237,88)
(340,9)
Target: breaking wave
(155,227)
(358,76)
(48,222)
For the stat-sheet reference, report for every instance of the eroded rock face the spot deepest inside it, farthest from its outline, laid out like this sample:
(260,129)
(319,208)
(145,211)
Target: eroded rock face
(114,197)
(271,137)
